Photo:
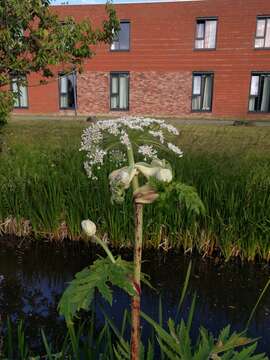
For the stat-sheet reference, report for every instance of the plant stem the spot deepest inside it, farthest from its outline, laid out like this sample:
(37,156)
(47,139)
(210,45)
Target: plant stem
(105,248)
(136,300)
(137,260)
(131,162)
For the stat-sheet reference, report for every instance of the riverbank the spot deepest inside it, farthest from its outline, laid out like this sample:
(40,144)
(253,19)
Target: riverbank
(45,192)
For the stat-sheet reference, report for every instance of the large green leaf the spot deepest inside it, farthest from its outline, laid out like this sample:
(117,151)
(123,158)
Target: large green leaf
(101,275)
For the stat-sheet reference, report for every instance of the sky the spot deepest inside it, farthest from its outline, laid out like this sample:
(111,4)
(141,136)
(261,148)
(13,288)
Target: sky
(78,2)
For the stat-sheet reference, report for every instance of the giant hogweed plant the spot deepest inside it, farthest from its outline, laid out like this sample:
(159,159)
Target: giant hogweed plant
(139,142)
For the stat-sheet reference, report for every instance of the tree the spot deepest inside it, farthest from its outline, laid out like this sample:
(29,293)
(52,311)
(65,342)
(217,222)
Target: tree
(34,39)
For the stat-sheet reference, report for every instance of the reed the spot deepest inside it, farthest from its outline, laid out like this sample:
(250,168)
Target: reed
(45,192)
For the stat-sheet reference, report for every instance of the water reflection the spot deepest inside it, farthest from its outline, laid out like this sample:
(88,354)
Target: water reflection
(32,281)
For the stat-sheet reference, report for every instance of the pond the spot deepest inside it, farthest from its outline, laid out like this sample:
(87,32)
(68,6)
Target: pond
(33,278)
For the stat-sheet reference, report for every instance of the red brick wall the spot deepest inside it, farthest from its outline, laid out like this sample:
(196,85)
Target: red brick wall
(163,93)
(93,92)
(162,58)
(151,93)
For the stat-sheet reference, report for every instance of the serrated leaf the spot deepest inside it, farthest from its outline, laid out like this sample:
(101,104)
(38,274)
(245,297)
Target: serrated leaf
(101,275)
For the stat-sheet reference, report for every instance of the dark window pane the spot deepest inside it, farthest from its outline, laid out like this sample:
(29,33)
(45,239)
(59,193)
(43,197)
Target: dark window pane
(206,32)
(265,97)
(202,92)
(119,91)
(121,40)
(124,36)
(262,38)
(19,89)
(68,91)
(207,93)
(259,100)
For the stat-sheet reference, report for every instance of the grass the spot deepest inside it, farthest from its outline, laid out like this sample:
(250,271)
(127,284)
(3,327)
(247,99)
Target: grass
(42,180)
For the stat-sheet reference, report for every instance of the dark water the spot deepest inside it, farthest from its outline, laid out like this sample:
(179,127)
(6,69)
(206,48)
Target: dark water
(32,280)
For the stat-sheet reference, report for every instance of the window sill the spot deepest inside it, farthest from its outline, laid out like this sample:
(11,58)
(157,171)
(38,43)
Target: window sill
(205,49)
(120,50)
(119,109)
(201,111)
(259,112)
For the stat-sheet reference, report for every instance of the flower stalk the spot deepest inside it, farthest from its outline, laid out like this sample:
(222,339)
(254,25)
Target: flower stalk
(131,162)
(105,248)
(89,228)
(136,300)
(137,260)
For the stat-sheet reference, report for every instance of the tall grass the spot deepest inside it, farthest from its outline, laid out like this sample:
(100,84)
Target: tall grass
(47,186)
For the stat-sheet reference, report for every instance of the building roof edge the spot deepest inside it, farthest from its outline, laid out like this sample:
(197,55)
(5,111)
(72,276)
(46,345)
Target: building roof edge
(118,2)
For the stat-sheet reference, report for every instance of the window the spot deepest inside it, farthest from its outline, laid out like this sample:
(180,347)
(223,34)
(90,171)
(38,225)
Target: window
(121,39)
(259,98)
(206,34)
(68,91)
(119,91)
(262,38)
(202,90)
(19,89)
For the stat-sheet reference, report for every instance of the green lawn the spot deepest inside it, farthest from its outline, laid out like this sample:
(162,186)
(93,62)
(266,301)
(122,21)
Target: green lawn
(237,140)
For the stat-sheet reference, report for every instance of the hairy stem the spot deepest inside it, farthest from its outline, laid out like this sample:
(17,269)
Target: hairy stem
(131,162)
(105,248)
(136,300)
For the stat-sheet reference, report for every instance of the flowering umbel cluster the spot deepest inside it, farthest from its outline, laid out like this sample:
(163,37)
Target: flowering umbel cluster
(145,135)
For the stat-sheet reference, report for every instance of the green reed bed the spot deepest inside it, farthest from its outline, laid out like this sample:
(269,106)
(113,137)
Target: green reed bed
(42,180)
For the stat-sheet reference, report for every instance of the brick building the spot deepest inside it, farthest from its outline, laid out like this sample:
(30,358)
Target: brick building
(201,58)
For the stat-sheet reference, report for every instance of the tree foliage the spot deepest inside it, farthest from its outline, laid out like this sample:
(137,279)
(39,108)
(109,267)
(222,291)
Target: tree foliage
(33,38)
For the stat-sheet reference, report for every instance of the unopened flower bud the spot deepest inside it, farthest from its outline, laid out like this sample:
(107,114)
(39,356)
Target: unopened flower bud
(89,227)
(164,175)
(122,177)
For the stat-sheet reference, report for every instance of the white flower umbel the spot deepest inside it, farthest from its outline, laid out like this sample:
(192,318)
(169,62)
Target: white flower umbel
(89,227)
(175,149)
(148,135)
(147,151)
(158,134)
